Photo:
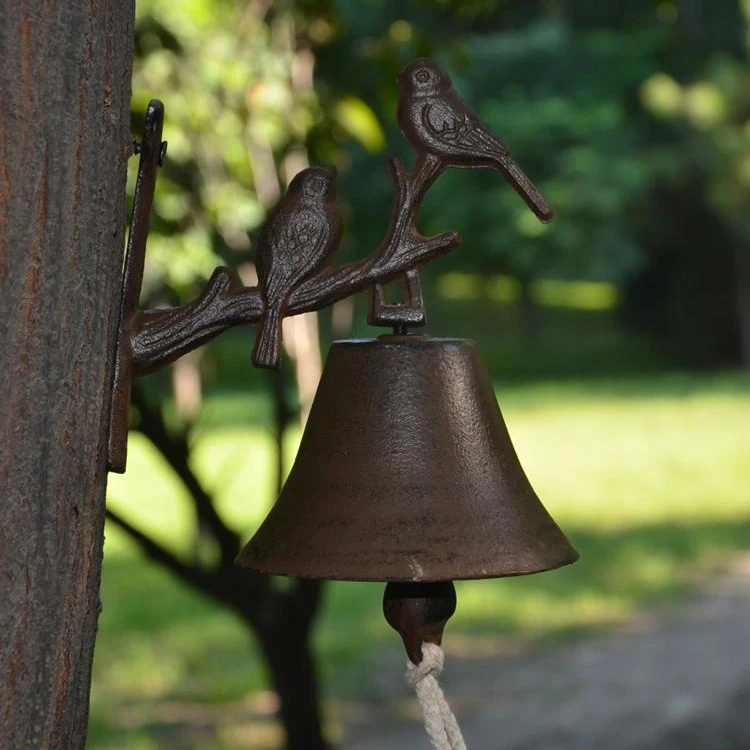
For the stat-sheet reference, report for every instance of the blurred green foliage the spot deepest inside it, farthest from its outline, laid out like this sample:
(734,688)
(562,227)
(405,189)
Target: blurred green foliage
(633,121)
(618,462)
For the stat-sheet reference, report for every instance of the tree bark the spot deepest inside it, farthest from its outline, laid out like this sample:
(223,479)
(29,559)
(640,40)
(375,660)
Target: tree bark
(64,143)
(287,650)
(293,675)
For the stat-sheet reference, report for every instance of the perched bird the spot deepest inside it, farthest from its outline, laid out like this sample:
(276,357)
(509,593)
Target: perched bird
(435,119)
(298,237)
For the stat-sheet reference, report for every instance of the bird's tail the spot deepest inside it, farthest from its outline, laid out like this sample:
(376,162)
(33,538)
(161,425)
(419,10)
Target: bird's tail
(267,350)
(525,188)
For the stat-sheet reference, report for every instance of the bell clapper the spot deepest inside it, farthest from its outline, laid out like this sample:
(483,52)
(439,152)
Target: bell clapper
(419,612)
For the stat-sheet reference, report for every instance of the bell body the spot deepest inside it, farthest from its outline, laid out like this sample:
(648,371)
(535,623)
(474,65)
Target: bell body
(406,472)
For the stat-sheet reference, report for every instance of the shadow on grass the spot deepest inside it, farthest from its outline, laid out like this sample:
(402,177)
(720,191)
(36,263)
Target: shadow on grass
(561,343)
(234,407)
(578,353)
(644,387)
(166,651)
(619,573)
(565,344)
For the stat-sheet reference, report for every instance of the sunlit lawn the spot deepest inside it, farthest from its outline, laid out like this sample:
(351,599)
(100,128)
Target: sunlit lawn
(650,477)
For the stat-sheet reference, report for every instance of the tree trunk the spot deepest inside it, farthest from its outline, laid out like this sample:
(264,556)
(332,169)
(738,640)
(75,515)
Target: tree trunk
(64,133)
(293,674)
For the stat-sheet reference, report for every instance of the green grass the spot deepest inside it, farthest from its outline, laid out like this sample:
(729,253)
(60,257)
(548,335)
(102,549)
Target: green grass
(649,476)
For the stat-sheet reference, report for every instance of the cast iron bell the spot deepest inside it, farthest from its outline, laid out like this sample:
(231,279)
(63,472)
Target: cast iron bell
(406,473)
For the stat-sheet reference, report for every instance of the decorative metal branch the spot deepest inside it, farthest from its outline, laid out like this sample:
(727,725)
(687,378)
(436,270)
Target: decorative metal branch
(300,238)
(161,336)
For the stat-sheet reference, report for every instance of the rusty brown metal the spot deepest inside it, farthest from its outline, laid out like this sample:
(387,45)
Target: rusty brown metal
(161,336)
(446,131)
(419,612)
(439,123)
(152,152)
(406,472)
(300,239)
(398,315)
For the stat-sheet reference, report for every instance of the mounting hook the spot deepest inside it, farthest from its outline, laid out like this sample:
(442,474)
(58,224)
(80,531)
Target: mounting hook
(399,315)
(152,151)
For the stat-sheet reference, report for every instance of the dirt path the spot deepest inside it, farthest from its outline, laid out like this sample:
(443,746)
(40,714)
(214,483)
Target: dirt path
(675,681)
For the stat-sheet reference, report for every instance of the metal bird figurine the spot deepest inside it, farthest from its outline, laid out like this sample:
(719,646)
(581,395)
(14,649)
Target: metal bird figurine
(301,233)
(436,120)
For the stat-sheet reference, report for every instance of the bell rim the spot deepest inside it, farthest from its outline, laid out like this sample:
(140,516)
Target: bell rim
(478,576)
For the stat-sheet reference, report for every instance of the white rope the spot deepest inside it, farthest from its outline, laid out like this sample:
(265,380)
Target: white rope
(439,721)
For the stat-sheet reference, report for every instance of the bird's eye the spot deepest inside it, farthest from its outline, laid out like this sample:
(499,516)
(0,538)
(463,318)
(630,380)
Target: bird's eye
(423,75)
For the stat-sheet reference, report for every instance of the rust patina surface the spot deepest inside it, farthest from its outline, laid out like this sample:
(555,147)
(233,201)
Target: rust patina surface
(406,472)
(299,240)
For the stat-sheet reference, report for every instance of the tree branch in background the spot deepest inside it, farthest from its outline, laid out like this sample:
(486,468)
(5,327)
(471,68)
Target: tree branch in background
(174,448)
(281,618)
(189,574)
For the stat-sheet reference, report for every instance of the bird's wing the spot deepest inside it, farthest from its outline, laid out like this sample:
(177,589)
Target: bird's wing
(456,125)
(297,239)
